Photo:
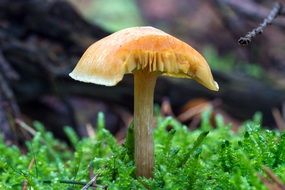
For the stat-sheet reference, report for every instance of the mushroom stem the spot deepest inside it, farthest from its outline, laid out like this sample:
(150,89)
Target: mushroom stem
(143,119)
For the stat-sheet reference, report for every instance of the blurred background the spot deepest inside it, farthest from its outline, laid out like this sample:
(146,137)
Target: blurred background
(42,40)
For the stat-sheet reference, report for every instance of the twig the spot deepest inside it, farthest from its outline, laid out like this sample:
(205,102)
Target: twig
(25,183)
(274,178)
(280,123)
(91,173)
(91,182)
(90,130)
(26,127)
(276,10)
(193,111)
(74,183)
(197,109)
(195,122)
(27,130)
(268,183)
(166,108)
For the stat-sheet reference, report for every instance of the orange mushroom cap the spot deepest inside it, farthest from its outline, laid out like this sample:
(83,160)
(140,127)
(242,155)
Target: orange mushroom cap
(141,48)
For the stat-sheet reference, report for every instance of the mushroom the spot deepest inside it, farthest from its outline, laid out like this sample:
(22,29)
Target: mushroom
(145,52)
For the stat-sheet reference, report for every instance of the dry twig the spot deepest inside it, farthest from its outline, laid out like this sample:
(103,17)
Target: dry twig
(26,127)
(166,108)
(92,182)
(276,10)
(273,183)
(280,122)
(74,183)
(90,130)
(25,183)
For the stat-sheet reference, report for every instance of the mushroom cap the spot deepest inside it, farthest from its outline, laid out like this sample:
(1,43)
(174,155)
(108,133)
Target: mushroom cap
(141,48)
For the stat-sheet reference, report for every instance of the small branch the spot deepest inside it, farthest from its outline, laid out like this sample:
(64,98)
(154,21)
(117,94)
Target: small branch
(280,122)
(276,10)
(275,179)
(74,183)
(90,183)
(26,127)
(25,183)
(90,130)
(92,175)
(191,112)
(166,108)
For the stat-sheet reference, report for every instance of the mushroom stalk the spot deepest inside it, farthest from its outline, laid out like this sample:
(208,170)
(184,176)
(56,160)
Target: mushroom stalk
(143,120)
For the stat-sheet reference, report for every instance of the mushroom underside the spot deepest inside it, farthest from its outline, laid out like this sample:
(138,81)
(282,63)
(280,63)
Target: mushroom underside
(165,63)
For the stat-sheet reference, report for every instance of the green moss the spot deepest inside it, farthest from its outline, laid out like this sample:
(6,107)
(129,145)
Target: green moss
(205,158)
